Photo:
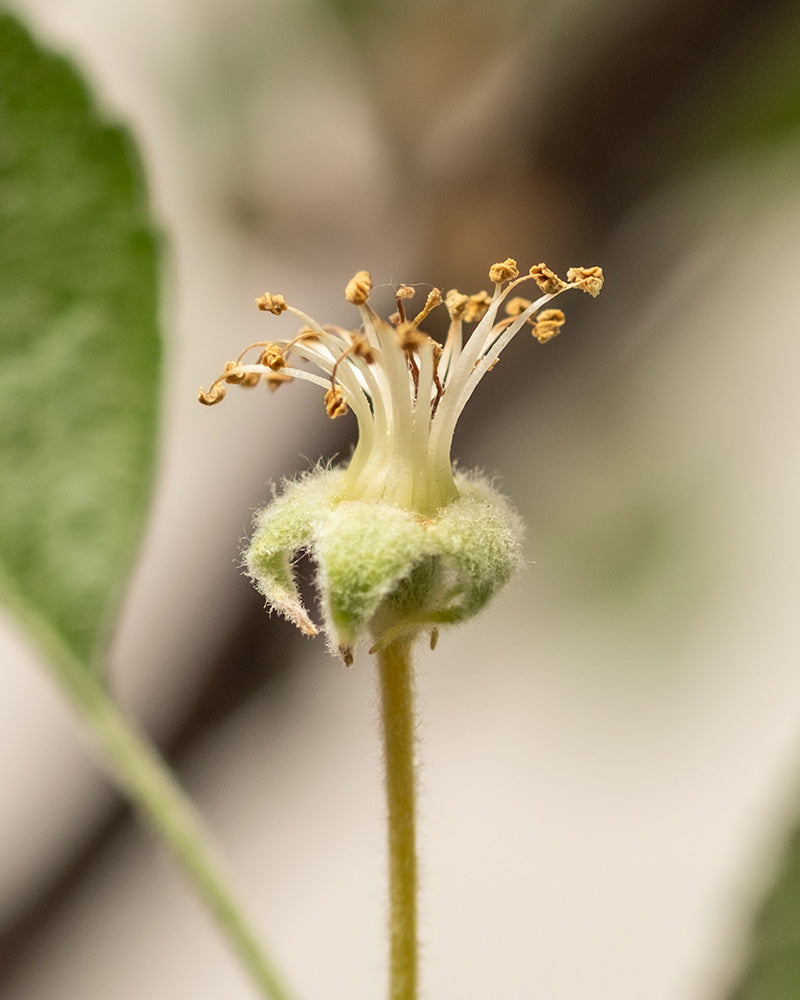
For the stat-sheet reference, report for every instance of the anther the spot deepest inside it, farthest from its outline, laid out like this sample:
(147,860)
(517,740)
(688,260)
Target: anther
(476,306)
(456,303)
(335,405)
(215,394)
(517,306)
(361,348)
(547,280)
(276,379)
(358,288)
(272,303)
(409,337)
(434,299)
(272,357)
(403,292)
(231,375)
(548,324)
(507,271)
(588,279)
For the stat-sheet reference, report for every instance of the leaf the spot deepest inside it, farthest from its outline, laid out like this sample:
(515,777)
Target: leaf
(772,970)
(79,349)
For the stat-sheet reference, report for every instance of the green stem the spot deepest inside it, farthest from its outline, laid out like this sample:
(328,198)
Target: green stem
(139,770)
(397,717)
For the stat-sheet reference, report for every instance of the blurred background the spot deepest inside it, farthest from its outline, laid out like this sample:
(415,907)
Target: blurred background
(611,751)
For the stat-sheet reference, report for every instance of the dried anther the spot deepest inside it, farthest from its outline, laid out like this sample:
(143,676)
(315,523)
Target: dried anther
(588,279)
(547,280)
(507,271)
(232,374)
(456,303)
(215,395)
(272,357)
(358,288)
(274,380)
(335,404)
(516,306)
(477,307)
(271,303)
(548,324)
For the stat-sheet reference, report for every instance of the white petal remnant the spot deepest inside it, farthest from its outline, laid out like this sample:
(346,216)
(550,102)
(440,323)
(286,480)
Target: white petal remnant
(400,542)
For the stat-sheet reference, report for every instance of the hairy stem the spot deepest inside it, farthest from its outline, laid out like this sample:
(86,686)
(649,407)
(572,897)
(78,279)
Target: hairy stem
(147,781)
(397,717)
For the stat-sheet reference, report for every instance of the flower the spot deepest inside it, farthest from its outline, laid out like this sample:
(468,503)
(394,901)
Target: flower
(401,541)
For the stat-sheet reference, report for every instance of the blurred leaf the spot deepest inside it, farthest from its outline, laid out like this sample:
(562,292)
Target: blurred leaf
(753,101)
(772,971)
(79,348)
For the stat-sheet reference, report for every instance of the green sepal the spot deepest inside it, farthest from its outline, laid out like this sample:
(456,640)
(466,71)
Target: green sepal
(478,537)
(283,529)
(363,553)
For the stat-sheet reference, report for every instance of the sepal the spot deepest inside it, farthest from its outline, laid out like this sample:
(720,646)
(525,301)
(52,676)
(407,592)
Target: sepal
(283,529)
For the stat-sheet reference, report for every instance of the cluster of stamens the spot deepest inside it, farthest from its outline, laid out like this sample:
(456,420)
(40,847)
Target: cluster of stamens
(405,388)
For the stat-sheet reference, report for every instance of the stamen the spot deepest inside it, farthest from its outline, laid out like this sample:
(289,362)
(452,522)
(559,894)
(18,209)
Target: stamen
(358,288)
(276,380)
(507,271)
(403,292)
(272,357)
(360,347)
(434,299)
(409,337)
(547,280)
(438,351)
(477,306)
(548,324)
(335,404)
(271,302)
(516,306)
(232,375)
(588,279)
(214,395)
(456,303)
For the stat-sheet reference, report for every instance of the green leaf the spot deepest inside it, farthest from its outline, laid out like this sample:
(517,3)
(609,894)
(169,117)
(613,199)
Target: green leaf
(772,970)
(79,349)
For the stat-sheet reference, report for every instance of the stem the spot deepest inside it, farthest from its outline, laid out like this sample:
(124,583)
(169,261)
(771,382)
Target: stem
(397,718)
(139,770)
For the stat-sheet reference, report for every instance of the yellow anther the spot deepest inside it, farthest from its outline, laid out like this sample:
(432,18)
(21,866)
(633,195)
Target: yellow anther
(476,306)
(434,299)
(335,405)
(361,348)
(456,303)
(250,379)
(588,279)
(409,337)
(215,395)
(547,280)
(405,292)
(517,306)
(507,271)
(272,357)
(358,288)
(276,379)
(272,303)
(548,324)
(232,375)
